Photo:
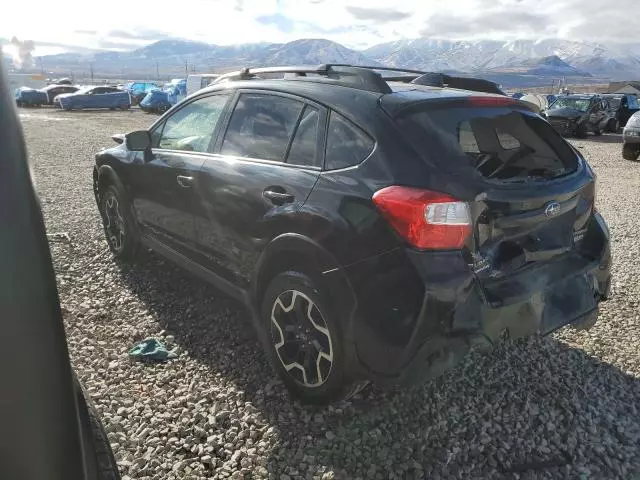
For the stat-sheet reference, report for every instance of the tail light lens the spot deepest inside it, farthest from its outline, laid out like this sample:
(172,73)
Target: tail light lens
(425,219)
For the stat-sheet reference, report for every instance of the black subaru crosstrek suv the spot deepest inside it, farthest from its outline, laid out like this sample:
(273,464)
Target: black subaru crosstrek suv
(378,229)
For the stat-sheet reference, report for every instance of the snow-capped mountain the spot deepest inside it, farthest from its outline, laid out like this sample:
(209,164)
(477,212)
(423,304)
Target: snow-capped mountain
(488,58)
(614,61)
(545,66)
(174,56)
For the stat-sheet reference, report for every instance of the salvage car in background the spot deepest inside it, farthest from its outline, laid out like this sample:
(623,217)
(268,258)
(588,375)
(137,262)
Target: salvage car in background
(159,101)
(52,91)
(94,97)
(30,97)
(621,107)
(156,101)
(631,138)
(577,115)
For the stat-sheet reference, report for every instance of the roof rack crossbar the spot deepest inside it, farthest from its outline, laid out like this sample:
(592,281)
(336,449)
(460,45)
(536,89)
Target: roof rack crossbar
(366,77)
(363,78)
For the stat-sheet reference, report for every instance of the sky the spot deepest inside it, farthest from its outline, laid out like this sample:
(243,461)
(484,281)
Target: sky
(81,25)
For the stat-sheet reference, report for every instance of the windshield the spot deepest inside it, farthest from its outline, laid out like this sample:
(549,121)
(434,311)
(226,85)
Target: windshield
(581,104)
(499,143)
(614,102)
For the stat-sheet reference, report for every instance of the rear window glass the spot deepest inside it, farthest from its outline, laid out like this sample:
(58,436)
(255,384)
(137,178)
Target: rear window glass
(499,143)
(261,127)
(347,145)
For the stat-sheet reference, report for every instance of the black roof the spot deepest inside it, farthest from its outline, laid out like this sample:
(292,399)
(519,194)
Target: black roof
(347,89)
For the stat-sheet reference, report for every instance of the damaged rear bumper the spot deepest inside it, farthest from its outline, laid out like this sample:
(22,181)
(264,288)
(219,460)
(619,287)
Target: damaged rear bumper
(457,314)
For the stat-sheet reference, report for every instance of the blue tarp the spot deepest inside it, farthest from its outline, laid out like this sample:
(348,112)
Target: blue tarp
(30,96)
(102,100)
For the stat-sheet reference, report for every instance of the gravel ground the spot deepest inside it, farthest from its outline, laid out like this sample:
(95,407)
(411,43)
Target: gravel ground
(564,406)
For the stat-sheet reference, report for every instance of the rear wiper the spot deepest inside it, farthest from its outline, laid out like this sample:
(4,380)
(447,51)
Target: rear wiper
(522,151)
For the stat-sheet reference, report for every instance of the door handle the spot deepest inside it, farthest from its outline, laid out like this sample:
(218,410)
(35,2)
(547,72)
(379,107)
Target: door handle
(278,198)
(184,181)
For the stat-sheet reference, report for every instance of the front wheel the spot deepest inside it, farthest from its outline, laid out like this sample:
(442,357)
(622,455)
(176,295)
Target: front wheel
(581,130)
(630,151)
(119,226)
(305,340)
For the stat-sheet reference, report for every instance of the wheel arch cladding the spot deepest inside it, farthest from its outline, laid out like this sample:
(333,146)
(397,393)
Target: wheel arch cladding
(106,176)
(298,252)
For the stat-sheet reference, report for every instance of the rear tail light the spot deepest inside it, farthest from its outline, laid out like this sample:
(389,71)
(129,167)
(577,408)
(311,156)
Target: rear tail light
(425,219)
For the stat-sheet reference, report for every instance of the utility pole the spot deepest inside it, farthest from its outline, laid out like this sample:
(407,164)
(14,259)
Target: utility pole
(157,71)
(186,67)
(41,67)
(91,70)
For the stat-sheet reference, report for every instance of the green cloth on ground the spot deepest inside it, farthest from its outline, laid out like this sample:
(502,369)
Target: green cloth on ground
(151,349)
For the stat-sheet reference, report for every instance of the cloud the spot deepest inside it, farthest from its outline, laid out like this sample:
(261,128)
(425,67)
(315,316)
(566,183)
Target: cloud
(138,34)
(502,21)
(377,14)
(86,32)
(280,21)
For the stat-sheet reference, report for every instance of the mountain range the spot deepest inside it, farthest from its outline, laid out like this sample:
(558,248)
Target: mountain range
(508,62)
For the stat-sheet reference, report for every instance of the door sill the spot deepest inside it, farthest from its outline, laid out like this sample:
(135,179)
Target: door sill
(196,269)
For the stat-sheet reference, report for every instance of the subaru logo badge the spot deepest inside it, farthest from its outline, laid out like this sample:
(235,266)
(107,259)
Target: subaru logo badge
(552,209)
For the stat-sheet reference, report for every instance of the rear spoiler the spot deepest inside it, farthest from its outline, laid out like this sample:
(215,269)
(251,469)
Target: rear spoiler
(463,83)
(118,137)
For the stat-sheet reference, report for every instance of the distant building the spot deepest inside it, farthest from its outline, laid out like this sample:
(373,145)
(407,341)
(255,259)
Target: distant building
(631,86)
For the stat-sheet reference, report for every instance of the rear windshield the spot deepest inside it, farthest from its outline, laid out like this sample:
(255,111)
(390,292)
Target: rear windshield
(498,143)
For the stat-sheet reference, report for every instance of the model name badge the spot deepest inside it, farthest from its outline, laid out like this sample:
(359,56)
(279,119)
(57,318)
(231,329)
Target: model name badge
(552,209)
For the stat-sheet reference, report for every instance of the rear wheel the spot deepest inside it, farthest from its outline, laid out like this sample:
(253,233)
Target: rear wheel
(119,226)
(581,130)
(305,340)
(630,151)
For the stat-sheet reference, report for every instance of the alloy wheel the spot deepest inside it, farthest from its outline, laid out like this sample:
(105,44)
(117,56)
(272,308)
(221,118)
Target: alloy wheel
(301,338)
(114,223)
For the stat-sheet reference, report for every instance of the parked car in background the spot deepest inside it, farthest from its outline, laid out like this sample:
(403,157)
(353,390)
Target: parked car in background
(576,115)
(377,230)
(94,97)
(52,91)
(138,90)
(622,107)
(30,97)
(631,138)
(156,101)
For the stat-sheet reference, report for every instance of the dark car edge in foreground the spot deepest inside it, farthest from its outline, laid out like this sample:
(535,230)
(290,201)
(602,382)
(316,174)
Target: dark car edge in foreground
(377,231)
(50,428)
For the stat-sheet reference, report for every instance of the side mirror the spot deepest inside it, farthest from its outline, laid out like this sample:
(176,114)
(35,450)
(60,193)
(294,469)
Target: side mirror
(138,141)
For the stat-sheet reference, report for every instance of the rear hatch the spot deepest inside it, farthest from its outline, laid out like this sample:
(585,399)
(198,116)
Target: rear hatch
(530,195)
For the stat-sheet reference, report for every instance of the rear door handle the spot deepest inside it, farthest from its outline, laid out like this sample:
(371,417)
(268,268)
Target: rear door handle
(278,198)
(184,181)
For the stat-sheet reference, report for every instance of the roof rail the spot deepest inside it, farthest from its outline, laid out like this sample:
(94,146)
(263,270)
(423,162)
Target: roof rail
(364,77)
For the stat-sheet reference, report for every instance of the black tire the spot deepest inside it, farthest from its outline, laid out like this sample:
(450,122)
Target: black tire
(119,226)
(329,382)
(612,125)
(597,132)
(581,130)
(99,460)
(630,151)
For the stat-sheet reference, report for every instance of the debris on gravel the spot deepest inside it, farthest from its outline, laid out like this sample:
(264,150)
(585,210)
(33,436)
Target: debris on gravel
(566,405)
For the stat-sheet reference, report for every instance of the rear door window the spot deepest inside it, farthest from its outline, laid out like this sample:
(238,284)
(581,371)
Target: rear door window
(304,146)
(498,143)
(347,145)
(261,127)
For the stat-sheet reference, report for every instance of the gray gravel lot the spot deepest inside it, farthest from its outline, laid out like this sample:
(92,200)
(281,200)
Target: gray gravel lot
(565,406)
